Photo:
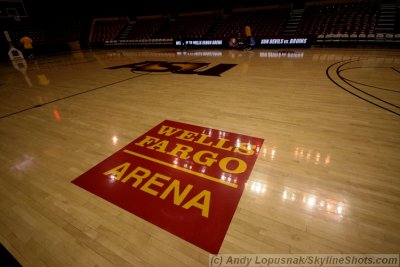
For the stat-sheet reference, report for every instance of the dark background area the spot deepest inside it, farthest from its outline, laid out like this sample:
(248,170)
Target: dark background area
(137,8)
(55,24)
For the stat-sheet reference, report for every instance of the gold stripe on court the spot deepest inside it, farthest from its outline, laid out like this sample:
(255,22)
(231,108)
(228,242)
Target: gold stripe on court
(201,175)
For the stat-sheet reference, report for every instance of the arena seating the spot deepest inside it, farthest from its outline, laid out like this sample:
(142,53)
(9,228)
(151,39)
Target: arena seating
(47,36)
(333,23)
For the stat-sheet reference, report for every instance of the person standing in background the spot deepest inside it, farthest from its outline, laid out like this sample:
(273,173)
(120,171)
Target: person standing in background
(27,46)
(248,36)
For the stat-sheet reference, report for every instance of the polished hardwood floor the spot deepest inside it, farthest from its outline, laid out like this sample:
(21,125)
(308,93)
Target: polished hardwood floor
(327,179)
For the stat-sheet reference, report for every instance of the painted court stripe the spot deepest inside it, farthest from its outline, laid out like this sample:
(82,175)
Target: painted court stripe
(202,175)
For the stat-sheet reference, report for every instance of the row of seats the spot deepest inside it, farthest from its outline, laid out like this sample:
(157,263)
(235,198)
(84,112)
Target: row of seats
(60,31)
(354,18)
(354,21)
(348,19)
(263,23)
(377,38)
(106,30)
(144,28)
(193,26)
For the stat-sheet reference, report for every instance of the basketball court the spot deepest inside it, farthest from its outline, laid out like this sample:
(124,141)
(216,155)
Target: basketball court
(159,157)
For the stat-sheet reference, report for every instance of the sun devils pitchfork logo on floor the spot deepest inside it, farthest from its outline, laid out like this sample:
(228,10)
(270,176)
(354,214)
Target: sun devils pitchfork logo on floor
(199,68)
(183,178)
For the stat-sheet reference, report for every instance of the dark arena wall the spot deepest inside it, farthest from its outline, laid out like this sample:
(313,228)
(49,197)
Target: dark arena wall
(66,25)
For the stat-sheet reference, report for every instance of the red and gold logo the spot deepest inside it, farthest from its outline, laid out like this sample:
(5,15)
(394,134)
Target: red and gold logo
(183,178)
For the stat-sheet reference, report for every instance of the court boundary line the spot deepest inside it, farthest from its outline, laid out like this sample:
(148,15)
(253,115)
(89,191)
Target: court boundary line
(80,93)
(337,70)
(69,96)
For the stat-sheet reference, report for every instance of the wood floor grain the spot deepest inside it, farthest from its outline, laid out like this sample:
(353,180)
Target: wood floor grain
(327,179)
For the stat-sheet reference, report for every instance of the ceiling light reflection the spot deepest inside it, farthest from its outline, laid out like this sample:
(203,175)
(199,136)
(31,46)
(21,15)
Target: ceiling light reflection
(24,163)
(114,140)
(330,207)
(308,155)
(112,178)
(272,152)
(257,187)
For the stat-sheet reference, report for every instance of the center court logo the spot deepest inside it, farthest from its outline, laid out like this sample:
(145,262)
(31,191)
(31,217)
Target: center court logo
(199,68)
(183,178)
